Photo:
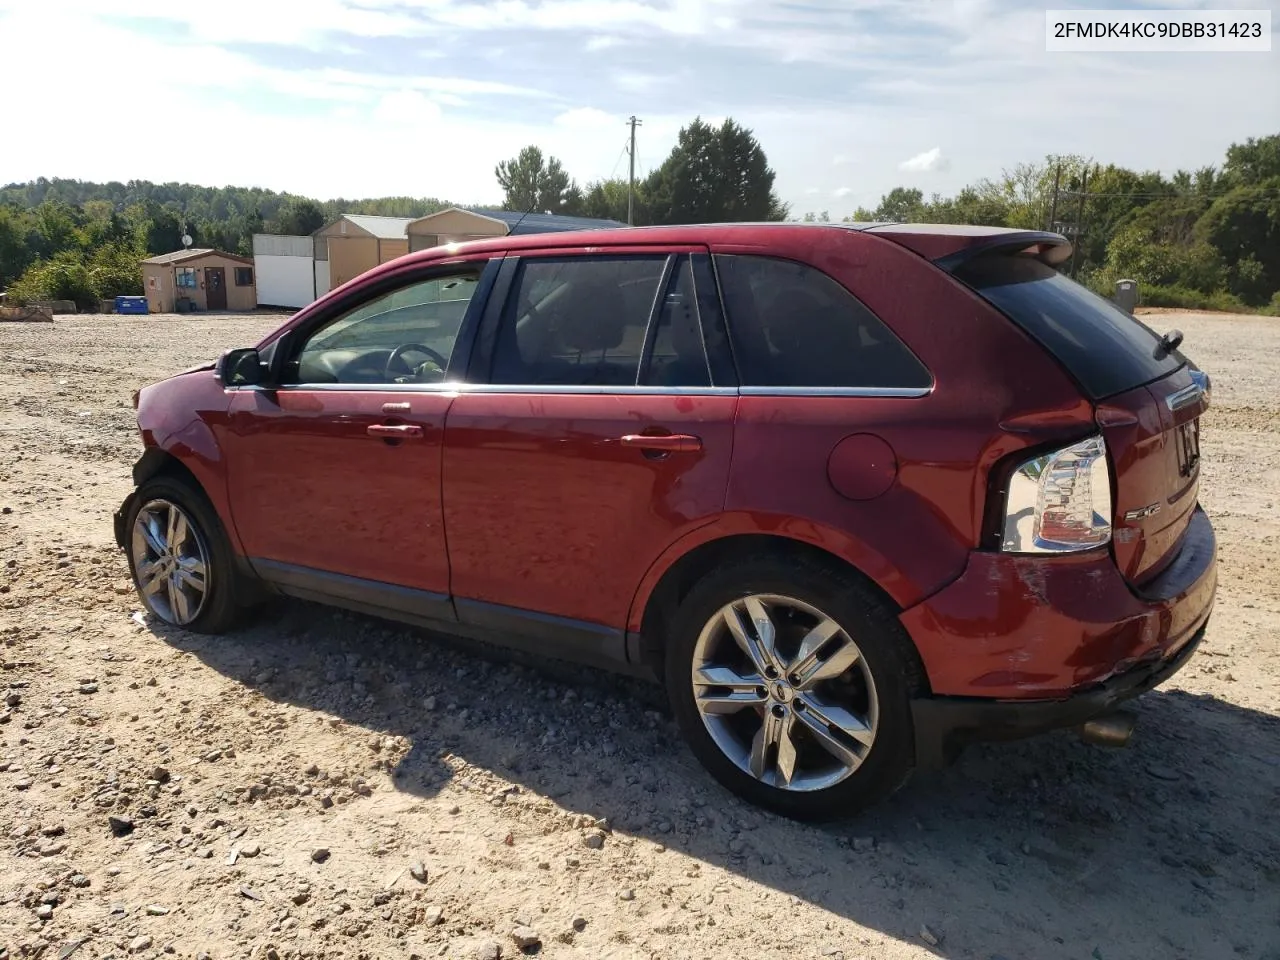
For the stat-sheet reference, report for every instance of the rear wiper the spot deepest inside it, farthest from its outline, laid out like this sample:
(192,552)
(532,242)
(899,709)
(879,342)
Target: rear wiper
(1168,343)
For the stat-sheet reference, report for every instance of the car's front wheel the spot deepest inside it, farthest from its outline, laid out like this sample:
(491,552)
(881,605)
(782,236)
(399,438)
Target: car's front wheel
(179,557)
(791,684)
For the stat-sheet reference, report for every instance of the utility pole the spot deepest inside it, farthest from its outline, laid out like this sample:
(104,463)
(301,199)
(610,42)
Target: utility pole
(631,182)
(1053,209)
(1075,248)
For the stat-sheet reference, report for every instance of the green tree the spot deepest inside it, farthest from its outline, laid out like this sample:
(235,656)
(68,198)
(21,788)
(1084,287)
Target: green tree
(900,205)
(714,174)
(16,253)
(1253,161)
(607,200)
(533,182)
(298,217)
(1244,226)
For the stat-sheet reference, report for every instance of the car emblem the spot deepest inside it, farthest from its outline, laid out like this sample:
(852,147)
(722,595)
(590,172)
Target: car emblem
(1142,513)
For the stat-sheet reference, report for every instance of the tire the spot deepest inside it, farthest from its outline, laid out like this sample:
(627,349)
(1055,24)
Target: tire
(217,609)
(871,694)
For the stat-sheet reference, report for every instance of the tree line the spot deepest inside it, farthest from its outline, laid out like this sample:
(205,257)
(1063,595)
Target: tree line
(1206,238)
(81,241)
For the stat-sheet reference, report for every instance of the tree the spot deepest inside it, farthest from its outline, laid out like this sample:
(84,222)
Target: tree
(298,217)
(900,205)
(532,182)
(607,200)
(714,174)
(1253,161)
(1244,226)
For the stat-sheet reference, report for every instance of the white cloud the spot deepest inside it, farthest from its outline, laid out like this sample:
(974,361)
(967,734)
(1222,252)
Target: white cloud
(587,118)
(812,191)
(842,192)
(596,44)
(931,161)
(407,108)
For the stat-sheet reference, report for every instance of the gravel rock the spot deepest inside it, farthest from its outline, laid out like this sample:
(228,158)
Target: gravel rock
(320,854)
(13,698)
(626,895)
(929,937)
(138,944)
(594,840)
(250,850)
(526,938)
(433,916)
(160,775)
(44,911)
(418,871)
(579,923)
(156,910)
(489,950)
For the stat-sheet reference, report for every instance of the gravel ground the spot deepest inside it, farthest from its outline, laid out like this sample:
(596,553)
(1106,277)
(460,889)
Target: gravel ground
(326,785)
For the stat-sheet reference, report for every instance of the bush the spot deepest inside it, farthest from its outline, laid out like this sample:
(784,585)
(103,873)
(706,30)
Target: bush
(113,269)
(1188,299)
(64,277)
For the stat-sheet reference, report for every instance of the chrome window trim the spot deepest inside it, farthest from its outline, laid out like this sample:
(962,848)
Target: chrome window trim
(1184,397)
(866,392)
(630,390)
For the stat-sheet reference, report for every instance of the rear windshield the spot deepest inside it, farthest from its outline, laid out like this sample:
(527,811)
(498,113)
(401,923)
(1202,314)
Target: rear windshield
(1105,349)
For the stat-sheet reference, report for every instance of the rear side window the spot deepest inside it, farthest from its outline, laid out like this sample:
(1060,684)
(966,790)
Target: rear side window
(577,322)
(793,326)
(1102,347)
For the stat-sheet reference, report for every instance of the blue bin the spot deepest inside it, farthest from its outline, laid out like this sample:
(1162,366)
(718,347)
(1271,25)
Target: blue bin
(131,304)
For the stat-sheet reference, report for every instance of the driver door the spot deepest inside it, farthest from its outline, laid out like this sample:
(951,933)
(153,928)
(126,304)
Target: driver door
(334,476)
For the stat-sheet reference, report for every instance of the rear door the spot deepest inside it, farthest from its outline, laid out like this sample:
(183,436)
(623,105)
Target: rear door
(1147,398)
(596,433)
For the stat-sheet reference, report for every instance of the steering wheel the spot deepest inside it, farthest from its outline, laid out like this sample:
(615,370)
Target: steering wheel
(398,355)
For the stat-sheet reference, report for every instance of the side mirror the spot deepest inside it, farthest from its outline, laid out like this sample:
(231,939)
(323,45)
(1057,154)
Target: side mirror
(240,368)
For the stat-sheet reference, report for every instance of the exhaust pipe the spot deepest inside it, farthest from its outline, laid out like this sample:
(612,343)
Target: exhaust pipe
(1109,730)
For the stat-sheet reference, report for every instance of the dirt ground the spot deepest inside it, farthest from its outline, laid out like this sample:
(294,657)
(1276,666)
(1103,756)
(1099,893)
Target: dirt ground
(326,785)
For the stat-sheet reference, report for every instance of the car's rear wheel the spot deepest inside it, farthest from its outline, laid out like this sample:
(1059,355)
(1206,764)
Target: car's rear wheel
(791,683)
(179,557)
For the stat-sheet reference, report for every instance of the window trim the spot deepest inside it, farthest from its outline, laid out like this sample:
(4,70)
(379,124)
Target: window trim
(473,350)
(249,271)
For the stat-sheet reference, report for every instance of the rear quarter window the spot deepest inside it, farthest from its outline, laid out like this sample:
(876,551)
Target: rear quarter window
(1105,349)
(792,326)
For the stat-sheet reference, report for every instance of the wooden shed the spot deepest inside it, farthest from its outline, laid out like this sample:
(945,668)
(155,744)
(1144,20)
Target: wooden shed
(355,243)
(209,279)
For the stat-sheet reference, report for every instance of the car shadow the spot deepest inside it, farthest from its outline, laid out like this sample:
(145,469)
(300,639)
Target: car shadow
(1042,848)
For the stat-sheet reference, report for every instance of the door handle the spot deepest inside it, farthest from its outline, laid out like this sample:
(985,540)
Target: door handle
(389,431)
(667,443)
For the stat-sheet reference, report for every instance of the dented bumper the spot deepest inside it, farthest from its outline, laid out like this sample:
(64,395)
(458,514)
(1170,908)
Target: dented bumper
(1019,644)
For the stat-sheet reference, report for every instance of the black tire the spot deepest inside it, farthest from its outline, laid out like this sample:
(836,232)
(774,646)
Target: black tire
(221,609)
(885,648)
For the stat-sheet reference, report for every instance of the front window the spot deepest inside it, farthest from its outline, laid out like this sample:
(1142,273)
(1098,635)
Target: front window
(244,276)
(406,336)
(185,277)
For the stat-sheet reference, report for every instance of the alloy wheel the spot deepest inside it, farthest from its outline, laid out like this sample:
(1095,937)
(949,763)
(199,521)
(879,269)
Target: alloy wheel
(171,562)
(784,692)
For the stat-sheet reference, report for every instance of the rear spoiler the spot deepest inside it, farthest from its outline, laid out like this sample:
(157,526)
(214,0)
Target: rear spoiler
(950,249)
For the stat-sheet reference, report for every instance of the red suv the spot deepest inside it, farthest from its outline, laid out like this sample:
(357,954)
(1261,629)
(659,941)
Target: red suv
(855,494)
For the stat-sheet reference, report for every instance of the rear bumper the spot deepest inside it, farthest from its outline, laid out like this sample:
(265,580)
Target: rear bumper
(1019,645)
(942,724)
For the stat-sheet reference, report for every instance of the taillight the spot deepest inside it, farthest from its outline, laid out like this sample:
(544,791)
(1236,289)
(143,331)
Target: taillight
(1059,502)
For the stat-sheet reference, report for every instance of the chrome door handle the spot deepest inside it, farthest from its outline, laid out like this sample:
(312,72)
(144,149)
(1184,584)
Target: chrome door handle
(388,431)
(668,443)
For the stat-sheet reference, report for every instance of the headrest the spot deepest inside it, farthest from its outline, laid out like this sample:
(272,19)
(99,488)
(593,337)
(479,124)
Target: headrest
(592,318)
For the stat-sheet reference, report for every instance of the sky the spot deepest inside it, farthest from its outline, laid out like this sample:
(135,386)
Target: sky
(360,98)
